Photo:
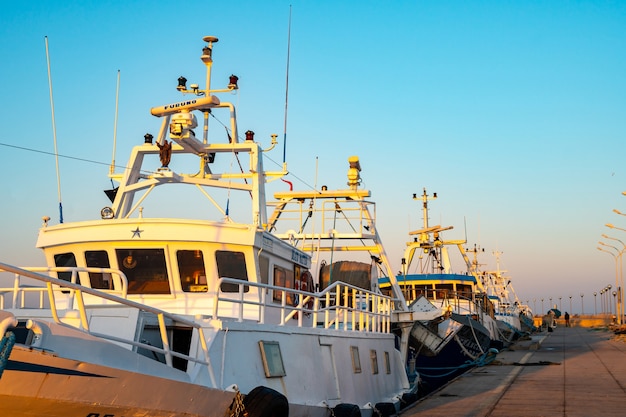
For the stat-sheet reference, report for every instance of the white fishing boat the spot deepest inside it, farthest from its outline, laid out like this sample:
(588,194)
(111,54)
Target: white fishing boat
(467,330)
(509,312)
(137,314)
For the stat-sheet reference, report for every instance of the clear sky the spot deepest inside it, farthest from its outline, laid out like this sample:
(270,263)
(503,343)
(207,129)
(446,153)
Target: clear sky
(512,111)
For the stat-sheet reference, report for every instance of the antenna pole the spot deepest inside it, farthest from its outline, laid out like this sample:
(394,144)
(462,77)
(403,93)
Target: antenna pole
(286,92)
(117,98)
(54,135)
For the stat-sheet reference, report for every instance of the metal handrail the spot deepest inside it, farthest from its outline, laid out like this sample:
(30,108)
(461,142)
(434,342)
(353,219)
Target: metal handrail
(338,301)
(119,280)
(79,291)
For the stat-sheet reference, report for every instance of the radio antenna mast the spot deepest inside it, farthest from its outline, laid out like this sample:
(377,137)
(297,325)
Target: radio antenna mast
(286,93)
(54,135)
(117,97)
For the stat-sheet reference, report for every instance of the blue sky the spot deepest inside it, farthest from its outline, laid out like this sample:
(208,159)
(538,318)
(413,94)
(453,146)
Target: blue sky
(513,112)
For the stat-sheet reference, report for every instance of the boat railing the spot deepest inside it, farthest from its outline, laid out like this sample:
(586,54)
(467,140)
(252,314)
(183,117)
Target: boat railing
(117,284)
(340,306)
(458,301)
(54,286)
(340,218)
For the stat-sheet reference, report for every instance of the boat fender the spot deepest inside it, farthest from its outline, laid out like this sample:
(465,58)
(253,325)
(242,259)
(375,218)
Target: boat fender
(265,402)
(408,398)
(385,409)
(346,410)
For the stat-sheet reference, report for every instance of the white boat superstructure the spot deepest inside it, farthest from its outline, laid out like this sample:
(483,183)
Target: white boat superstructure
(427,270)
(508,309)
(138,313)
(337,228)
(466,330)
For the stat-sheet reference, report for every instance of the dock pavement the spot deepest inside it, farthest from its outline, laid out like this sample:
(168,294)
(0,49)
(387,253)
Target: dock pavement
(570,372)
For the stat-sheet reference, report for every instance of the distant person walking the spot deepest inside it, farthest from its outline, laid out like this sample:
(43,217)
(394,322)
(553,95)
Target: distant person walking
(567,319)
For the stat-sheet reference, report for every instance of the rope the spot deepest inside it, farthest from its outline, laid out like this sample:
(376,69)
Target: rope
(467,352)
(482,360)
(6,345)
(469,319)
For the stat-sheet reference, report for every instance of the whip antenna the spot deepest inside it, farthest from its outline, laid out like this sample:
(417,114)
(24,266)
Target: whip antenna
(286,92)
(117,98)
(54,135)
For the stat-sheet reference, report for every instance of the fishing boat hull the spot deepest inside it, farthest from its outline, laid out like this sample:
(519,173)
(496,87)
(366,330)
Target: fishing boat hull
(467,343)
(40,383)
(509,328)
(304,369)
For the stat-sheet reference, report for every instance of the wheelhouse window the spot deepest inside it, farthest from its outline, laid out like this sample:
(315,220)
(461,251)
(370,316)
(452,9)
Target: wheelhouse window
(191,270)
(231,265)
(65,260)
(283,278)
(444,290)
(145,270)
(99,259)
(264,266)
(464,290)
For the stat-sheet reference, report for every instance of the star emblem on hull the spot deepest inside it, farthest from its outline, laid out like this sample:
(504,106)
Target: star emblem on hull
(136,233)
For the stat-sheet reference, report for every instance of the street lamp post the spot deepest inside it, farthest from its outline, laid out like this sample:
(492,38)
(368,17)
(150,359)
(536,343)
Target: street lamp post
(582,306)
(617,258)
(602,301)
(619,288)
(595,305)
(542,306)
(560,304)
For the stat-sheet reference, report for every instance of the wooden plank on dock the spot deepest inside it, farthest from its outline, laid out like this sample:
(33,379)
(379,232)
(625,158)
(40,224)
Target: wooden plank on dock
(574,371)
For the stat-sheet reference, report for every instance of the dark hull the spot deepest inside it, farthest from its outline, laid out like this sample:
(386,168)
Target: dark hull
(462,352)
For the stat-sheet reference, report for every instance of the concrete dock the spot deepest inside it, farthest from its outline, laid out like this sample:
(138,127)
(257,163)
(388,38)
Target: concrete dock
(572,371)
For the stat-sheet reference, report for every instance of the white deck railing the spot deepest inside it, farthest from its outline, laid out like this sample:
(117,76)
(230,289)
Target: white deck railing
(55,287)
(341,306)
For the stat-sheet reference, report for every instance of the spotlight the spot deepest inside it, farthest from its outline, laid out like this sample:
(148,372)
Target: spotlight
(106,213)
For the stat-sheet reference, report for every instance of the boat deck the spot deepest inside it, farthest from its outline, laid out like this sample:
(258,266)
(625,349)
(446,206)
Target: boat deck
(569,372)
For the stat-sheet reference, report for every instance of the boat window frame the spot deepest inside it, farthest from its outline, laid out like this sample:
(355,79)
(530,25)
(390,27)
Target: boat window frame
(99,276)
(128,264)
(356,359)
(198,272)
(374,361)
(284,278)
(272,358)
(65,276)
(387,363)
(227,269)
